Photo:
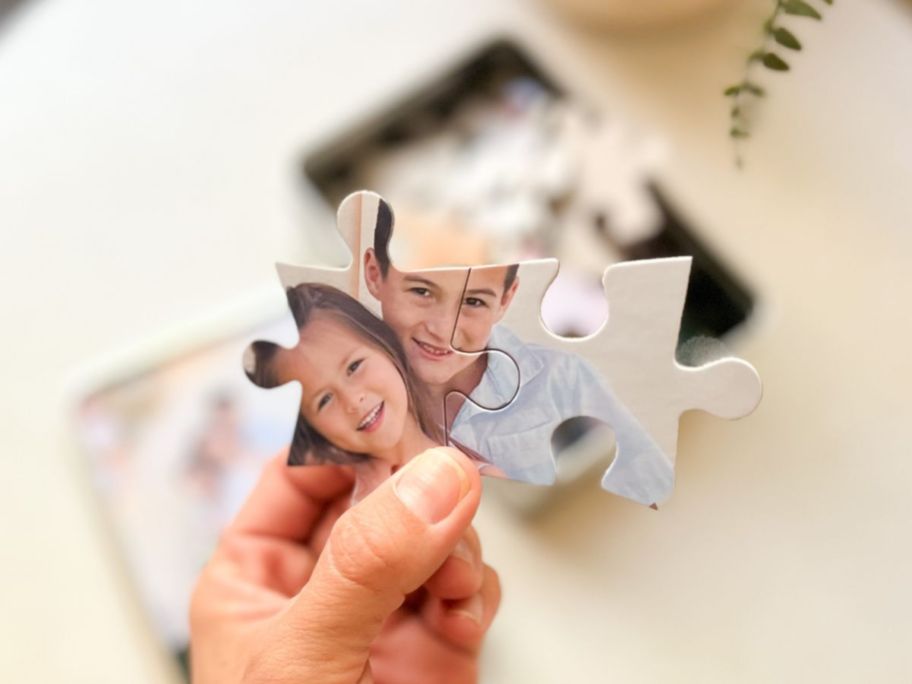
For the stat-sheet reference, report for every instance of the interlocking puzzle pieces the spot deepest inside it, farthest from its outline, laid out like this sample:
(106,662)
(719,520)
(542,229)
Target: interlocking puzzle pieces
(625,375)
(510,385)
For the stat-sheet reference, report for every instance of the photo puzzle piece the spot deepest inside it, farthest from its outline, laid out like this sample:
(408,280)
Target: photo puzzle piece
(407,315)
(624,375)
(475,366)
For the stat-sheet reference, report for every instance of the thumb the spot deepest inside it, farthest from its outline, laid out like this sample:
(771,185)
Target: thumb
(380,550)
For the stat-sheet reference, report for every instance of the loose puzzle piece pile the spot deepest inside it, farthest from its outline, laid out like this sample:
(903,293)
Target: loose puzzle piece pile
(518,381)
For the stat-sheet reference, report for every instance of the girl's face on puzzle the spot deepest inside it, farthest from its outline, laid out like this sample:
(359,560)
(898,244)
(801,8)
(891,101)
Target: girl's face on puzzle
(352,393)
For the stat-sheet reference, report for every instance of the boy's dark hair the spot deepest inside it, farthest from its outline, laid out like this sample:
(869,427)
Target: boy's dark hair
(383,232)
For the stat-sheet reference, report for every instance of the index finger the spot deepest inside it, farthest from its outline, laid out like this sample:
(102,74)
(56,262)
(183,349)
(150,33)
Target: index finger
(288,500)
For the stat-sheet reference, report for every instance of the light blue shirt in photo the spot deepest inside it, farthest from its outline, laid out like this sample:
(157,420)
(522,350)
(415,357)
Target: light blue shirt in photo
(554,385)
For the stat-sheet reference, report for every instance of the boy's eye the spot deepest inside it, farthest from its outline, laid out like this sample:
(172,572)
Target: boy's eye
(475,302)
(420,291)
(354,365)
(323,401)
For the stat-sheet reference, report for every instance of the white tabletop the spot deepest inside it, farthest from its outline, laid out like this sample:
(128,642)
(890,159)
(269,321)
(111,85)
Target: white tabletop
(148,175)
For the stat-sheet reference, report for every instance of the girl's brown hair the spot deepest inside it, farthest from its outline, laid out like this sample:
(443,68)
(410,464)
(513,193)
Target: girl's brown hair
(315,299)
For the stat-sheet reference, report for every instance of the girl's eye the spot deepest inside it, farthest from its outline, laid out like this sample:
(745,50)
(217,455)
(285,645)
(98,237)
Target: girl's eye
(354,365)
(323,401)
(475,302)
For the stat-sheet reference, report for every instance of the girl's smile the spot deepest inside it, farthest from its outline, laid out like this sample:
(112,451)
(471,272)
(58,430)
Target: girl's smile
(373,419)
(352,392)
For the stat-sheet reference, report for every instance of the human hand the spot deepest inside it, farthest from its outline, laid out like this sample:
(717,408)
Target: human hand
(392,589)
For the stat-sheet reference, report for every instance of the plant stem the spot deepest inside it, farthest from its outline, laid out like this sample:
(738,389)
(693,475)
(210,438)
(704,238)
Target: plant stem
(738,118)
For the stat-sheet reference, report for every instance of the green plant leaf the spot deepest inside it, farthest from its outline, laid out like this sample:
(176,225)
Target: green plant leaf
(773,61)
(800,8)
(786,38)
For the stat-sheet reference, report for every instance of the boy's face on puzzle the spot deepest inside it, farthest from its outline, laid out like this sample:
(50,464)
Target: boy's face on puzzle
(423,307)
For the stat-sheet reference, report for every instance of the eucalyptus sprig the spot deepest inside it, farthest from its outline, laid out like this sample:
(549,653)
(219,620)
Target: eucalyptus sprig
(774,34)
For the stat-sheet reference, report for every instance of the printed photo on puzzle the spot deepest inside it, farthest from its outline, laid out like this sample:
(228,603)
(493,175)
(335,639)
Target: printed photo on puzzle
(392,360)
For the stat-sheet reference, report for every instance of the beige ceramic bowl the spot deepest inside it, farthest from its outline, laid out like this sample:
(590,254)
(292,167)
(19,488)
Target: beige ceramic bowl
(623,14)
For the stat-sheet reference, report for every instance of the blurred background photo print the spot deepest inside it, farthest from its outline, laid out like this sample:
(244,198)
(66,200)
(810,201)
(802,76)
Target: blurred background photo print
(158,159)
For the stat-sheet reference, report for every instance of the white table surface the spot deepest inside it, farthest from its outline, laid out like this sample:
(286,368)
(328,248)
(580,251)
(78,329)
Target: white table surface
(148,175)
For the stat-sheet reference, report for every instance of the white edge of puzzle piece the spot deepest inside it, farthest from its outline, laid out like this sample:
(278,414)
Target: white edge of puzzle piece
(291,276)
(641,470)
(731,388)
(635,351)
(649,296)
(355,222)
(635,348)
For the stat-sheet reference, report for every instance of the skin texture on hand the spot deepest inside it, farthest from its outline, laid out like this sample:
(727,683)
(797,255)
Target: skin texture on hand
(303,588)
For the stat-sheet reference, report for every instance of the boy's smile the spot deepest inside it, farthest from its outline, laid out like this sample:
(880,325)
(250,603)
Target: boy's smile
(423,308)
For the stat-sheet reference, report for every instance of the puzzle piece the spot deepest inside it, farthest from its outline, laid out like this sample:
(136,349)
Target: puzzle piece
(556,385)
(474,336)
(625,375)
(426,303)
